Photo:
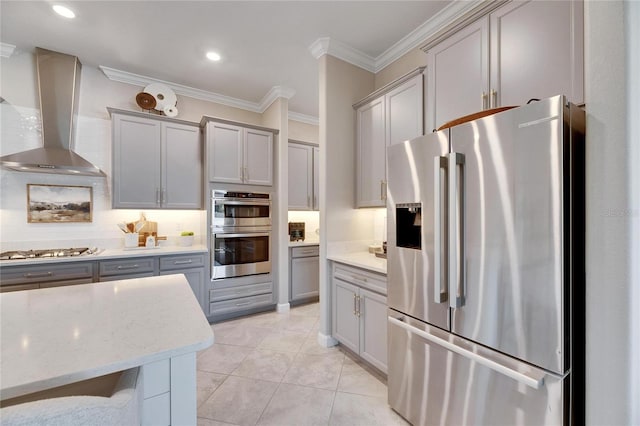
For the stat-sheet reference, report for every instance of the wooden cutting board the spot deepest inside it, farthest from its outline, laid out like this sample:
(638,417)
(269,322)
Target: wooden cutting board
(474,116)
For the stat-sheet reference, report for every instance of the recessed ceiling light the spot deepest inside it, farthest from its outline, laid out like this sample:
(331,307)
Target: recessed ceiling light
(213,56)
(63,11)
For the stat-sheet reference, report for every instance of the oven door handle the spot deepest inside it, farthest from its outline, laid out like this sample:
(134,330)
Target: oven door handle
(243,203)
(246,234)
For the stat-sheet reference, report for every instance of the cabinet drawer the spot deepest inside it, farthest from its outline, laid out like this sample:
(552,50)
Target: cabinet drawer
(156,378)
(228,306)
(218,294)
(126,267)
(361,277)
(45,273)
(181,262)
(305,251)
(156,411)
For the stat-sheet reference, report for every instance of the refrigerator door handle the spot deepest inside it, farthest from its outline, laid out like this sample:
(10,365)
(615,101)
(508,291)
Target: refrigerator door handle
(456,230)
(533,378)
(441,293)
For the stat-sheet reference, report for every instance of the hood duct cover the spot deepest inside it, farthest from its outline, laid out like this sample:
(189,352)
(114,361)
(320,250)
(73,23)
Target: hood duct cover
(59,86)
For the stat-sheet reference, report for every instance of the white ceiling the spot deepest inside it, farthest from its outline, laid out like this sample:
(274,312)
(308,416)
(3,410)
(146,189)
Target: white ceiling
(263,43)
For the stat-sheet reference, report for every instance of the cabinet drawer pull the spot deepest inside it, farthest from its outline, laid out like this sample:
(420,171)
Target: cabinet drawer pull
(358,314)
(354,304)
(244,304)
(359,278)
(183,262)
(121,267)
(38,275)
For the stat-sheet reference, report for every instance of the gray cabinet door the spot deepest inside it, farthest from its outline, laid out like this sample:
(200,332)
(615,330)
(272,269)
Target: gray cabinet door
(459,75)
(372,308)
(371,154)
(181,166)
(195,277)
(136,162)
(225,152)
(258,157)
(316,178)
(305,277)
(525,35)
(345,322)
(300,176)
(404,106)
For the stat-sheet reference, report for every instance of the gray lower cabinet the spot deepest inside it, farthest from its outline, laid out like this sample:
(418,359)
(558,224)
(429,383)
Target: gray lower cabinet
(233,297)
(304,274)
(360,313)
(122,269)
(193,267)
(31,277)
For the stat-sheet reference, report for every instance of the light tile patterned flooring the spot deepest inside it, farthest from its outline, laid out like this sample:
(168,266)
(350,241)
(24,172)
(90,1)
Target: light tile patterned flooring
(268,369)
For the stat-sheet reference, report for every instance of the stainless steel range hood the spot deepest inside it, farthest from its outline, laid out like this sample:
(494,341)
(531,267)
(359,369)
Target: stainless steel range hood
(59,85)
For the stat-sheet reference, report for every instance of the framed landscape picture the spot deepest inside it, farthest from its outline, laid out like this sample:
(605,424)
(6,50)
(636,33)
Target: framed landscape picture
(59,203)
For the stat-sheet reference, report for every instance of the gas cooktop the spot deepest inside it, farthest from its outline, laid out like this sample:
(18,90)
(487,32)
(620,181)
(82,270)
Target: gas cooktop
(32,254)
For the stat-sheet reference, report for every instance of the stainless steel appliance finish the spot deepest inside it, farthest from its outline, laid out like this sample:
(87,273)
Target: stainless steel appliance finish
(240,209)
(241,234)
(436,377)
(496,271)
(59,87)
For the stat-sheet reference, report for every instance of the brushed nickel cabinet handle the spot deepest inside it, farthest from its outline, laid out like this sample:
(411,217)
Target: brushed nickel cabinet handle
(38,275)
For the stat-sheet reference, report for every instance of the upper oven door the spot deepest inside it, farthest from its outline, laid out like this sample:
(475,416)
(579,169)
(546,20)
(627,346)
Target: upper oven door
(241,212)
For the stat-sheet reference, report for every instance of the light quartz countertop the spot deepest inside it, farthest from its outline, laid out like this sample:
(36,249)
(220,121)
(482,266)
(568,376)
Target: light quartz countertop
(55,336)
(111,254)
(361,259)
(304,243)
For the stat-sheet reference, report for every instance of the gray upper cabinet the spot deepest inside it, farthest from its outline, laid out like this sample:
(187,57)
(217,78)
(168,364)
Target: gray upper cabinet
(238,154)
(157,163)
(303,176)
(390,115)
(521,50)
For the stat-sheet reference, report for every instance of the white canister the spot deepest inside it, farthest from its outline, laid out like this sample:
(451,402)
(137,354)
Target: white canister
(151,241)
(131,239)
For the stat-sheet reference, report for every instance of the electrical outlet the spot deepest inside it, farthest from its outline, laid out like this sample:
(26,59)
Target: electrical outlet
(178,226)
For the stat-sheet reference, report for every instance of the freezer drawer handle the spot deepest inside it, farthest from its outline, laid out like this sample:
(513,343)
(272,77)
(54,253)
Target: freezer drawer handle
(456,188)
(535,381)
(441,293)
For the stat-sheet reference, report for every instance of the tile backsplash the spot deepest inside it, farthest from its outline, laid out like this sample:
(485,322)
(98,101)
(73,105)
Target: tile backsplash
(21,131)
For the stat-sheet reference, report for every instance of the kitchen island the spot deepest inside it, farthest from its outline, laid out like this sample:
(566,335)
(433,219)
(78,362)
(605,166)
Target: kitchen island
(56,336)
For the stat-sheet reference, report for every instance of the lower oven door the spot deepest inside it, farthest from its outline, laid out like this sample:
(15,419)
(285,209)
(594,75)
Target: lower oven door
(238,254)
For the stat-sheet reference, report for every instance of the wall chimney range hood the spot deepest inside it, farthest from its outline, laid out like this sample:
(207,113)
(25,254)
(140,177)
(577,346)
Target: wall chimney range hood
(59,87)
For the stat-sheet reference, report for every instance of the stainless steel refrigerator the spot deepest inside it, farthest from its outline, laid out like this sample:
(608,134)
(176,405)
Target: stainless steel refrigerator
(486,272)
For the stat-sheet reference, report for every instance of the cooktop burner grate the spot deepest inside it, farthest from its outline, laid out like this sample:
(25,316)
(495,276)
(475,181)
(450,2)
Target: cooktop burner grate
(32,254)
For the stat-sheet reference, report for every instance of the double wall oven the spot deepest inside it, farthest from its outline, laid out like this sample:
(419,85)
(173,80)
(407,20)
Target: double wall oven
(241,234)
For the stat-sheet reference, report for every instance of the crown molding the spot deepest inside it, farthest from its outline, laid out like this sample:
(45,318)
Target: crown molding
(417,37)
(303,118)
(142,80)
(447,20)
(6,49)
(274,93)
(335,48)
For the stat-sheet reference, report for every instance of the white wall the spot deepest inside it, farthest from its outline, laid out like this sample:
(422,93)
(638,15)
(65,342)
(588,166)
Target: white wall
(276,117)
(632,43)
(611,219)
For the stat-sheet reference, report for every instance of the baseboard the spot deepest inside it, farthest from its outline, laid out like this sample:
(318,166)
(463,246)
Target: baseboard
(283,307)
(326,341)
